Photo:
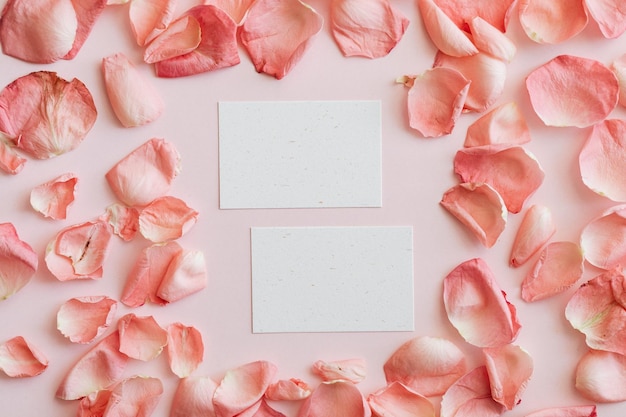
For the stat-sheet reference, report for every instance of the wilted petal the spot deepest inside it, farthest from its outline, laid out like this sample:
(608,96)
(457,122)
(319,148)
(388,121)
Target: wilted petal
(236,9)
(166,218)
(601,376)
(87,12)
(426,365)
(134,397)
(83,319)
(20,359)
(353,370)
(399,401)
(610,16)
(480,208)
(10,161)
(124,220)
(185,275)
(292,389)
(619,69)
(572,91)
(18,261)
(194,397)
(94,404)
(275,51)
(141,337)
(575,411)
(444,33)
(552,22)
(370,28)
(180,38)
(148,18)
(338,398)
(603,239)
(504,125)
(494,12)
(53,197)
(471,396)
(536,228)
(146,173)
(509,368)
(491,41)
(477,307)
(185,349)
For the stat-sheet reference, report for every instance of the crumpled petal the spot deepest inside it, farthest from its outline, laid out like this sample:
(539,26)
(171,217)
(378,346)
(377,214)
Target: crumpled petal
(503,125)
(536,228)
(87,12)
(426,365)
(477,307)
(94,404)
(558,268)
(100,367)
(598,310)
(399,401)
(54,197)
(603,239)
(18,261)
(552,22)
(572,91)
(10,161)
(370,28)
(146,173)
(494,12)
(511,170)
(45,115)
(480,208)
(20,359)
(292,389)
(124,220)
(166,218)
(610,16)
(148,18)
(471,396)
(83,319)
(575,411)
(509,368)
(443,32)
(141,337)
(236,9)
(601,376)
(619,69)
(353,370)
(194,397)
(491,41)
(134,397)
(185,349)
(273,51)
(337,398)
(179,38)
(135,101)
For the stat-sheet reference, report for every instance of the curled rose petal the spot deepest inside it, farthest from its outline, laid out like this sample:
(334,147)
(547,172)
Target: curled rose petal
(134,100)
(477,307)
(134,397)
(124,220)
(480,208)
(166,218)
(552,22)
(491,41)
(20,359)
(536,228)
(54,197)
(185,275)
(471,396)
(236,9)
(146,173)
(148,18)
(180,38)
(185,349)
(272,51)
(353,370)
(18,261)
(45,115)
(619,69)
(194,397)
(141,337)
(261,409)
(494,12)
(292,389)
(337,398)
(10,161)
(94,404)
(575,411)
(426,365)
(603,239)
(610,16)
(601,376)
(83,319)
(370,28)
(443,32)
(504,125)
(87,12)
(509,368)
(399,401)
(560,98)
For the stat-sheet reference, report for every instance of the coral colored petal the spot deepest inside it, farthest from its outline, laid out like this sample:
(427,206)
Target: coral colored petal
(471,396)
(510,368)
(94,404)
(124,220)
(87,12)
(504,125)
(603,239)
(134,100)
(146,173)
(141,337)
(399,401)
(148,18)
(443,32)
(370,28)
(18,261)
(536,228)
(292,389)
(53,197)
(185,349)
(601,376)
(194,397)
(261,409)
(491,41)
(166,218)
(610,16)
(273,51)
(426,365)
(180,38)
(477,307)
(338,398)
(560,98)
(619,69)
(236,9)
(83,319)
(462,11)
(185,275)
(480,208)
(10,161)
(134,397)
(575,411)
(353,370)
(20,359)
(552,22)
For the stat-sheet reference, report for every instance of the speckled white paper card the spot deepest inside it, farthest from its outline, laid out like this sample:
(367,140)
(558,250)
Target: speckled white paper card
(332,279)
(300,154)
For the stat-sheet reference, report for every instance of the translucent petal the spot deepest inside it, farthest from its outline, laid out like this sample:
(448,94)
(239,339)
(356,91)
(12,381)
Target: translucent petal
(10,161)
(292,389)
(462,11)
(148,18)
(552,21)
(236,9)
(536,228)
(399,401)
(166,218)
(575,411)
(471,396)
(491,41)
(134,397)
(141,337)
(603,239)
(20,359)
(353,370)
(443,32)
(504,125)
(601,376)
(185,349)
(619,69)
(124,220)
(83,319)
(18,261)
(610,16)
(337,398)
(194,397)
(510,368)
(53,198)
(185,275)
(181,37)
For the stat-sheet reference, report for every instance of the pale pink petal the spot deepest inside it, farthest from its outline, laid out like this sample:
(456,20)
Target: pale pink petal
(572,91)
(504,125)
(435,100)
(134,397)
(185,275)
(610,16)
(273,51)
(491,41)
(45,115)
(146,275)
(83,319)
(603,239)
(94,404)
(399,401)
(477,307)
(462,11)
(261,409)
(338,398)
(536,228)
(148,18)
(236,9)
(619,69)
(146,173)
(18,261)
(53,198)
(10,161)
(426,365)
(509,368)
(242,387)
(217,48)
(511,170)
(185,349)
(575,411)
(597,309)
(558,268)
(124,220)
(552,21)
(480,208)
(353,370)
(370,28)
(166,218)
(470,396)
(99,368)
(443,32)
(141,337)
(292,389)
(135,101)
(601,376)
(20,359)
(87,12)
(180,38)
(194,397)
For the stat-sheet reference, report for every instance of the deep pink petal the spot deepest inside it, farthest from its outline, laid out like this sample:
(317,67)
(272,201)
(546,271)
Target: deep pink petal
(610,16)
(491,41)
(470,396)
(20,359)
(273,51)
(141,337)
(603,239)
(399,401)
(575,411)
(166,218)
(83,319)
(87,12)
(236,9)
(185,349)
(338,398)
(462,11)
(552,22)
(601,376)
(353,370)
(10,161)
(54,197)
(292,389)
(180,38)
(572,91)
(185,275)
(619,69)
(124,220)
(148,18)
(194,397)
(510,368)
(536,228)
(444,33)
(134,397)
(18,261)
(504,125)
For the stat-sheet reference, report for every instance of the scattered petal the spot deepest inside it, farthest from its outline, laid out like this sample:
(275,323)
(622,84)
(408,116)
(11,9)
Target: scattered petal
(552,22)
(20,359)
(94,404)
(194,397)
(261,409)
(148,18)
(610,16)
(54,197)
(503,125)
(181,37)
(134,397)
(601,376)
(619,69)
(603,239)
(399,401)
(83,319)
(471,396)
(87,12)
(10,161)
(509,368)
(536,228)
(353,370)
(166,218)
(576,411)
(185,275)
(141,337)
(293,389)
(124,220)
(185,349)
(337,398)
(18,261)
(494,12)
(236,9)
(443,32)
(491,41)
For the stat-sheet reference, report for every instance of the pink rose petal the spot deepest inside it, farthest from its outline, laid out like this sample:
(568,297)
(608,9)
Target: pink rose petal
(166,218)
(20,359)
(462,11)
(194,397)
(185,349)
(94,404)
(292,389)
(87,13)
(148,18)
(141,337)
(370,28)
(124,220)
(272,51)
(619,69)
(353,370)
(18,261)
(471,396)
(561,97)
(503,125)
(337,398)
(261,409)
(603,239)
(134,397)
(509,368)
(610,16)
(54,197)
(536,228)
(477,307)
(185,275)
(10,161)
(575,411)
(399,401)
(552,22)
(443,32)
(83,319)
(426,365)
(181,37)
(236,9)
(491,41)
(601,376)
